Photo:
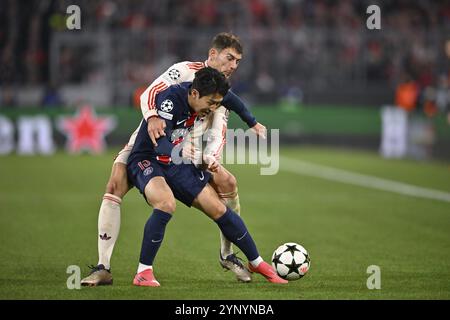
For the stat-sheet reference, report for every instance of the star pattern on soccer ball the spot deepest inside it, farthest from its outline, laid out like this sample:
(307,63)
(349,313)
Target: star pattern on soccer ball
(307,259)
(86,131)
(276,260)
(293,267)
(291,249)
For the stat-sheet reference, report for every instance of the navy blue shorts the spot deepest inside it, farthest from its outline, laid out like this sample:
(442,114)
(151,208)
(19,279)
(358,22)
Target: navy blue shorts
(185,180)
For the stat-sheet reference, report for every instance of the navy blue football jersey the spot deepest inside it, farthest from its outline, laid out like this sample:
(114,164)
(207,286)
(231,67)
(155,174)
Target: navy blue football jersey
(172,106)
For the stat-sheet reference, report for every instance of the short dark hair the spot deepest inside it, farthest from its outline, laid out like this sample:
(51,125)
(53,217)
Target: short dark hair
(225,40)
(208,81)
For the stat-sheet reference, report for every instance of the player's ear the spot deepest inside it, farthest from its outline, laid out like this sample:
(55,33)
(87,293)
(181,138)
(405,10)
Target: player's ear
(195,94)
(213,53)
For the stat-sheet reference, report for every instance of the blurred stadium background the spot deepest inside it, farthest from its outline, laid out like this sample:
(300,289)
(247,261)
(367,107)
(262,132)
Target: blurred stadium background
(311,69)
(313,62)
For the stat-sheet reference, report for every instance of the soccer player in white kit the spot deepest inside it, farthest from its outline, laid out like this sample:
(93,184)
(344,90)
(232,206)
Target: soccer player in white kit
(224,55)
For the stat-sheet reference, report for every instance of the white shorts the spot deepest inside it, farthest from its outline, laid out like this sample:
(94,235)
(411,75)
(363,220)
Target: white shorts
(122,156)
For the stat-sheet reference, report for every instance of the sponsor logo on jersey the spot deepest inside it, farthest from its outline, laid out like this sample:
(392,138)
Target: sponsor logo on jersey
(178,135)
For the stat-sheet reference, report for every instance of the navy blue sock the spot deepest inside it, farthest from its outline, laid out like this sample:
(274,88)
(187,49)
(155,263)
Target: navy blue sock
(235,230)
(153,235)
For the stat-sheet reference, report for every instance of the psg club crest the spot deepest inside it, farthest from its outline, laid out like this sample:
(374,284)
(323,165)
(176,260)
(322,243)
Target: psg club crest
(86,131)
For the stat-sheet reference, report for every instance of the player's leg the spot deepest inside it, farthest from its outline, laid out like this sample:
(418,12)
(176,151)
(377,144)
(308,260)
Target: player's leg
(109,221)
(225,184)
(161,198)
(233,227)
(109,213)
(149,179)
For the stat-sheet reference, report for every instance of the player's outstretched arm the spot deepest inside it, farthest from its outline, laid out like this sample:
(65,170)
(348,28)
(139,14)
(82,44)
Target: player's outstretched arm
(232,102)
(260,130)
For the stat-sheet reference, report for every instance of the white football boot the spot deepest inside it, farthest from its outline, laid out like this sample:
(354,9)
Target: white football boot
(97,277)
(232,263)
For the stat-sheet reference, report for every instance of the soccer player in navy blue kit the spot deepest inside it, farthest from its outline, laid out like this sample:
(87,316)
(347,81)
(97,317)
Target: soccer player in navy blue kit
(151,169)
(224,55)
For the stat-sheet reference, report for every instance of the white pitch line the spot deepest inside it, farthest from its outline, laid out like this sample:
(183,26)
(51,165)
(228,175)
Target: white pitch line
(339,175)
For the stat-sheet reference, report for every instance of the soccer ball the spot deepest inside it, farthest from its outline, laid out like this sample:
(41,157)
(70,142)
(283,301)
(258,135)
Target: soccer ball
(291,261)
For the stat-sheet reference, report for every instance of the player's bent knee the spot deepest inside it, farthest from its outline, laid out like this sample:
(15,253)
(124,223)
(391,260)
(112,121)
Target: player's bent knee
(117,187)
(166,205)
(230,183)
(118,182)
(217,210)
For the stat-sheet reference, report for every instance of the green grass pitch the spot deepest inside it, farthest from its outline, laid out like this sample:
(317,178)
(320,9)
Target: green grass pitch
(48,221)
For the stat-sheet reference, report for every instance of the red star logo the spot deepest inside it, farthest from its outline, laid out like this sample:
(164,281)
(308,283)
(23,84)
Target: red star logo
(86,131)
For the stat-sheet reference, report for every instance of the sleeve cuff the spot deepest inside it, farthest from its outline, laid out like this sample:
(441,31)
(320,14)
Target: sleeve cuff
(251,123)
(150,113)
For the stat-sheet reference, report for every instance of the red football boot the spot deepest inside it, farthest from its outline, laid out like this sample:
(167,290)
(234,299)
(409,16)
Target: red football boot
(145,279)
(267,271)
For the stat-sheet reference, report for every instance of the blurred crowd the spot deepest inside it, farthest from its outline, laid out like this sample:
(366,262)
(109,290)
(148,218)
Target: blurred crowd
(291,46)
